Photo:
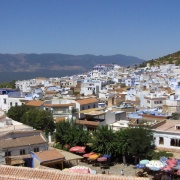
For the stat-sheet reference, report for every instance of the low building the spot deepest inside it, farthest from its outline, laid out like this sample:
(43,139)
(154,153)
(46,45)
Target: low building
(15,143)
(49,158)
(85,103)
(167,135)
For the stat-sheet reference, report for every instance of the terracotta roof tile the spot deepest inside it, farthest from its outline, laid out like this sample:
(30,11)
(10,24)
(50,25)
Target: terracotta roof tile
(22,173)
(35,103)
(49,155)
(87,101)
(22,141)
(85,122)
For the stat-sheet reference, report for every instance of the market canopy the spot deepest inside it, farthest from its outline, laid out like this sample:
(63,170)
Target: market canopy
(155,165)
(78,149)
(144,161)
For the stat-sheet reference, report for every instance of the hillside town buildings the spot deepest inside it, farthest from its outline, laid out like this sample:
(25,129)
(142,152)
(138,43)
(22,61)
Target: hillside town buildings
(107,95)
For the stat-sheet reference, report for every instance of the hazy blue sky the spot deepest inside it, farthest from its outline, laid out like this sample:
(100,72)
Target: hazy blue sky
(143,28)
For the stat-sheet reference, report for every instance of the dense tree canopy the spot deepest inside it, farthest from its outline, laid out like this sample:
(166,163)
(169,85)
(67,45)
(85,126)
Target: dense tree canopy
(16,112)
(38,119)
(140,141)
(103,140)
(126,142)
(69,133)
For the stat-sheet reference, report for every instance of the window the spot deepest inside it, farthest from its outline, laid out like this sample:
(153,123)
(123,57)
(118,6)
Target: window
(161,140)
(16,104)
(175,142)
(8,153)
(36,149)
(10,103)
(5,101)
(22,151)
(88,107)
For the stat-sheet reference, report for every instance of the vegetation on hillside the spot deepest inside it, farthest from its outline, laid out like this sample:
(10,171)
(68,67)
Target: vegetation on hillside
(173,58)
(10,84)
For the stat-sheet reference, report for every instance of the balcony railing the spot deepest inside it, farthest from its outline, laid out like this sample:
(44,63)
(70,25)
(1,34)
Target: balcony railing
(62,112)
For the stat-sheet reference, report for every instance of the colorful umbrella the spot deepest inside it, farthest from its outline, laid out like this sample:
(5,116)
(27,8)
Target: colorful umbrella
(166,168)
(172,161)
(80,169)
(107,156)
(155,164)
(140,166)
(178,172)
(154,168)
(78,149)
(163,159)
(93,157)
(88,154)
(144,161)
(172,165)
(102,159)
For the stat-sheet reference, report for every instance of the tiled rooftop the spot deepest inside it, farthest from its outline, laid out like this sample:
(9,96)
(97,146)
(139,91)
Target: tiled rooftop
(35,103)
(169,126)
(49,155)
(87,101)
(68,155)
(22,173)
(22,141)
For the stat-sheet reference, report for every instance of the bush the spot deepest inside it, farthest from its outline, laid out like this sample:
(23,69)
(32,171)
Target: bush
(158,155)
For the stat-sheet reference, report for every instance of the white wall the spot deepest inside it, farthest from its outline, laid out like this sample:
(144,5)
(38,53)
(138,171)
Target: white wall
(167,139)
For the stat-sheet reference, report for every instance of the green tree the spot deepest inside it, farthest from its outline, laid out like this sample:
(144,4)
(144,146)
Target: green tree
(62,128)
(123,143)
(103,140)
(16,112)
(140,141)
(39,119)
(68,132)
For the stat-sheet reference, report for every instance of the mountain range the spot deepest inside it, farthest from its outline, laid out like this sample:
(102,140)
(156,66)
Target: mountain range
(26,66)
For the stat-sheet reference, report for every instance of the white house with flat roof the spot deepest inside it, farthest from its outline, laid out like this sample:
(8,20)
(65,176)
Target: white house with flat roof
(167,135)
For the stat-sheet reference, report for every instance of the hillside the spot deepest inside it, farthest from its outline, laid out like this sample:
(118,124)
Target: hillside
(21,66)
(173,58)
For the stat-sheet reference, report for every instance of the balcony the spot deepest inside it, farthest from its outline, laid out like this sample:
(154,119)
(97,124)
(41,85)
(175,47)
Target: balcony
(67,112)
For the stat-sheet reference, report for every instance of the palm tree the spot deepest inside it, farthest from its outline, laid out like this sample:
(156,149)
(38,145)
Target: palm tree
(122,145)
(103,140)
